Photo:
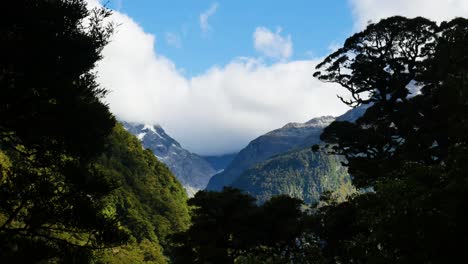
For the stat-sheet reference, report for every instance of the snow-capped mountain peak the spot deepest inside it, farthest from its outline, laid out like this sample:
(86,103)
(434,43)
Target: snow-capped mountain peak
(149,127)
(191,170)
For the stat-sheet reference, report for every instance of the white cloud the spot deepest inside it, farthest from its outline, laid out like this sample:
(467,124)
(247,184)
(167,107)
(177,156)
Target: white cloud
(272,44)
(204,25)
(438,10)
(218,111)
(224,108)
(94,3)
(173,39)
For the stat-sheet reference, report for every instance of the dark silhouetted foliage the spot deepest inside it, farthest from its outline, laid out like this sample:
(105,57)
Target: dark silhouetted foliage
(52,127)
(230,227)
(412,150)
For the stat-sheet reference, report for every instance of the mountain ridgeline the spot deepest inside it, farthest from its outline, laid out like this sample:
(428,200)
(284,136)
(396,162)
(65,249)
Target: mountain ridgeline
(278,141)
(282,162)
(190,169)
(279,162)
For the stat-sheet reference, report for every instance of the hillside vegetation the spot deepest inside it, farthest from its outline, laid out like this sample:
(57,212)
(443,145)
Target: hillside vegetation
(150,202)
(302,174)
(289,137)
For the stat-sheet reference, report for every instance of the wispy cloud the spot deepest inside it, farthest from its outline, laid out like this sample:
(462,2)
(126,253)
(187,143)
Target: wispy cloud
(173,39)
(204,24)
(272,44)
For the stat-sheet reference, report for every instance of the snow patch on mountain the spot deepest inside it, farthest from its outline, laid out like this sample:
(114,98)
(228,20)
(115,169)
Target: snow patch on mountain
(141,136)
(149,127)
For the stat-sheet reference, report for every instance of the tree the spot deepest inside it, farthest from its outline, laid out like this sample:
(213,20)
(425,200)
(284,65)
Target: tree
(385,62)
(228,227)
(378,66)
(219,231)
(53,125)
(410,148)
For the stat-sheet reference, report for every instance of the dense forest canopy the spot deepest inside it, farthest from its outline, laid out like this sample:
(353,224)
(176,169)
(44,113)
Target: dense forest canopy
(150,203)
(75,187)
(53,125)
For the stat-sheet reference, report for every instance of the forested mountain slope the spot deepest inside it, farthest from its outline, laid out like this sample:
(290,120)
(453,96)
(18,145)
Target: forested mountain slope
(193,171)
(302,174)
(150,202)
(278,141)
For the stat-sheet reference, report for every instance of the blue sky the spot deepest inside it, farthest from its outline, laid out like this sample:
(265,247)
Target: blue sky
(312,25)
(217,74)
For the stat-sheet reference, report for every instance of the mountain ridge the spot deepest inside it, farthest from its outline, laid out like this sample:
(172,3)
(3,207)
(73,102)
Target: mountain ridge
(285,166)
(277,141)
(192,170)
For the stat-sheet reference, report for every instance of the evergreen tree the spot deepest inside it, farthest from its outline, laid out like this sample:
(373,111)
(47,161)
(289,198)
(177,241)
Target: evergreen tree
(229,227)
(52,127)
(411,150)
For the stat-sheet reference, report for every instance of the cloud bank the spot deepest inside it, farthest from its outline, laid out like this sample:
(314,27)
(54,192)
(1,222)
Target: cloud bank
(272,44)
(438,10)
(221,110)
(216,112)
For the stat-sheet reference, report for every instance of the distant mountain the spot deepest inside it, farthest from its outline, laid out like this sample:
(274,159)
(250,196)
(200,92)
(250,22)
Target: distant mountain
(282,162)
(300,173)
(219,163)
(290,136)
(190,169)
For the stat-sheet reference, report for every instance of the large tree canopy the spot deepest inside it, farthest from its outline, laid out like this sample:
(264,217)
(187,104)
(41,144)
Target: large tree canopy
(52,126)
(411,72)
(378,64)
(410,145)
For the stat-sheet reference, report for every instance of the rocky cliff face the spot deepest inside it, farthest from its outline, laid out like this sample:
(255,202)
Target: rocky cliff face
(190,169)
